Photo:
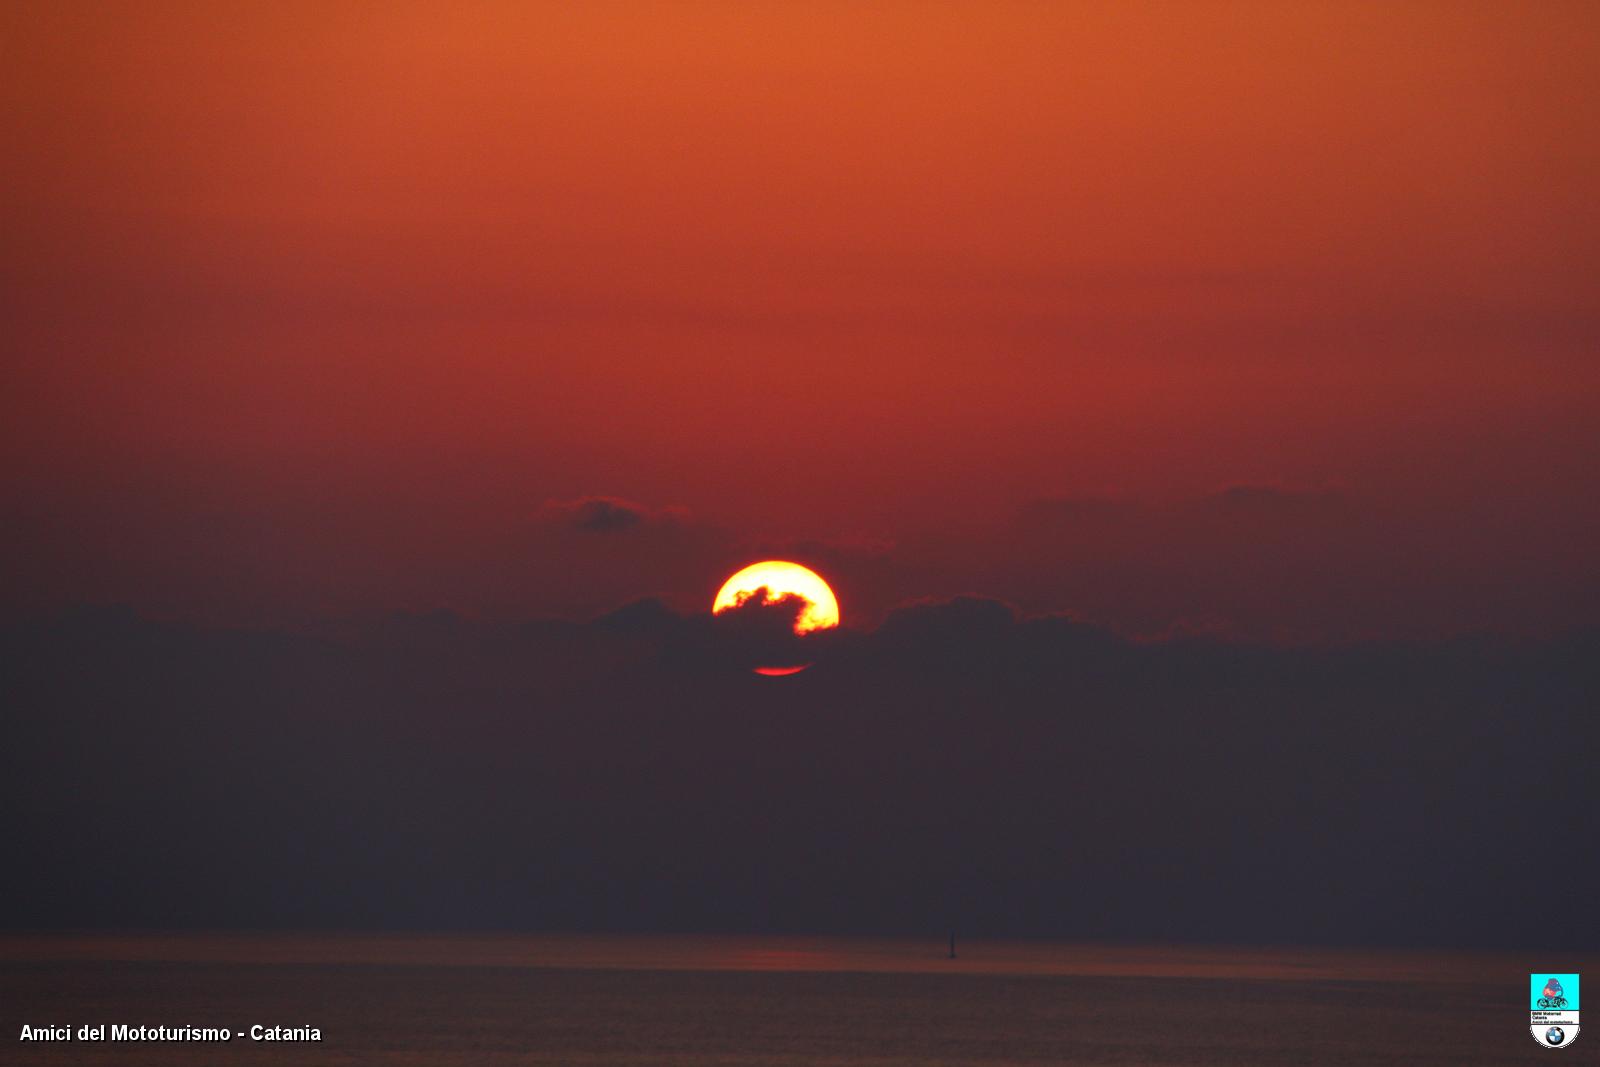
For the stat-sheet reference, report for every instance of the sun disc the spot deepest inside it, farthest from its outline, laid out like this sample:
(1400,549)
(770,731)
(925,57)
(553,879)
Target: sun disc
(780,578)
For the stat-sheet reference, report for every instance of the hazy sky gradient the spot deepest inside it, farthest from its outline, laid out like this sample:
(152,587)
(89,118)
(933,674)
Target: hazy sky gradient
(316,308)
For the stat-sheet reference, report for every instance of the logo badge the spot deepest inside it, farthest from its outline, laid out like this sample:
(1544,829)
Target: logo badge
(1553,1008)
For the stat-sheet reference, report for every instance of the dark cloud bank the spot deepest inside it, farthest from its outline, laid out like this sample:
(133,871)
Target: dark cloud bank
(958,766)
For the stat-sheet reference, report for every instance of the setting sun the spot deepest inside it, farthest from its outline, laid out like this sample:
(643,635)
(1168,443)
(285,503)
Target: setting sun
(780,578)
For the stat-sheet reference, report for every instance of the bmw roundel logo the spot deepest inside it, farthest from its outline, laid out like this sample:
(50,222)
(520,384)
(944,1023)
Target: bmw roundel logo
(1555,1035)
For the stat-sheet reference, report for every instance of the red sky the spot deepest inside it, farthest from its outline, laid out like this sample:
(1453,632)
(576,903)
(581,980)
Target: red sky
(1277,319)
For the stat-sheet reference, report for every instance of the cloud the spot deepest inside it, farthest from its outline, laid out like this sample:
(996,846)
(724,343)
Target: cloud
(786,608)
(608,515)
(758,631)
(941,621)
(1254,560)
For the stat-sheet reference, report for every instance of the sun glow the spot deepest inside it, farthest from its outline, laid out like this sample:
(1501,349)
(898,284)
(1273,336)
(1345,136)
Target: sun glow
(780,577)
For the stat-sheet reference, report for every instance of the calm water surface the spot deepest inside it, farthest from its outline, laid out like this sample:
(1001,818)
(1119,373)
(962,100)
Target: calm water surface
(765,1001)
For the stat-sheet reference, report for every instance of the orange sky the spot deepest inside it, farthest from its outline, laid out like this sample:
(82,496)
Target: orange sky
(314,307)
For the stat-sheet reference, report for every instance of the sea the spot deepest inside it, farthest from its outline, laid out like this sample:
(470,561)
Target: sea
(666,1001)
